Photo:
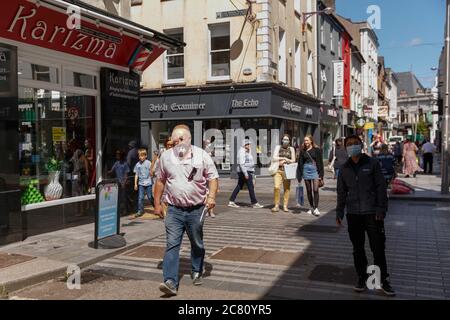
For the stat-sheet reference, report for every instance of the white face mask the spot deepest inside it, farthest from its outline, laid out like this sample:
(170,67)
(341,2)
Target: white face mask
(285,142)
(182,149)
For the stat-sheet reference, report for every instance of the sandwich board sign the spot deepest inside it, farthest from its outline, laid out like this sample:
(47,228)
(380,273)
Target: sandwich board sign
(107,218)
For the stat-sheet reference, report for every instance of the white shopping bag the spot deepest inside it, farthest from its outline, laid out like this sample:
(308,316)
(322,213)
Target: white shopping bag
(291,171)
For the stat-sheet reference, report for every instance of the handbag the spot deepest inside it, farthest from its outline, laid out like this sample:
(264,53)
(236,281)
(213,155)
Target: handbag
(300,195)
(321,183)
(273,169)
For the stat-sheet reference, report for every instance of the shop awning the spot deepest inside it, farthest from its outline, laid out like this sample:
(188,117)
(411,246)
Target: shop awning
(80,29)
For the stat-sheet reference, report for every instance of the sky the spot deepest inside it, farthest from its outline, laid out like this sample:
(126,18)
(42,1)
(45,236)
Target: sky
(411,33)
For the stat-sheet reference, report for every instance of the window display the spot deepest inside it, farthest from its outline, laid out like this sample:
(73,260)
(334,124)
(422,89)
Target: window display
(57,143)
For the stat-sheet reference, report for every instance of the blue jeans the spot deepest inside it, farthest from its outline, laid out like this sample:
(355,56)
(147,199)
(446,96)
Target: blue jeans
(142,191)
(250,186)
(177,221)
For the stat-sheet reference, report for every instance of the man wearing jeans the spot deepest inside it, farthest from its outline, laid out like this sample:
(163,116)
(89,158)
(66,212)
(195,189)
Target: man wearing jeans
(362,190)
(190,180)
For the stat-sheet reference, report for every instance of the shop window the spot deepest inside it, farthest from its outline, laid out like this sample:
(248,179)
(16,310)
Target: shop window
(31,71)
(219,51)
(57,145)
(174,60)
(80,80)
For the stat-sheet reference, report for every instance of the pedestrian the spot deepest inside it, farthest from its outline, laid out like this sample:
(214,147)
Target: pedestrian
(398,152)
(246,175)
(362,192)
(132,159)
(121,170)
(168,144)
(186,173)
(376,145)
(310,168)
(428,149)
(143,180)
(410,166)
(338,156)
(283,154)
(387,162)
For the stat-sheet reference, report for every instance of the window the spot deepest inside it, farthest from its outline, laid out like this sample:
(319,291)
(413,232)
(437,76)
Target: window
(331,40)
(310,73)
(174,59)
(297,5)
(340,46)
(80,80)
(322,31)
(31,71)
(298,64)
(57,144)
(219,51)
(282,56)
(323,78)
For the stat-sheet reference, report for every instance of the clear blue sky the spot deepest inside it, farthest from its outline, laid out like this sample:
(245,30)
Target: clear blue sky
(411,34)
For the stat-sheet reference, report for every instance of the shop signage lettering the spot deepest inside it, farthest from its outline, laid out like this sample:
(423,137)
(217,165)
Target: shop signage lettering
(229,14)
(292,107)
(176,107)
(72,38)
(43,26)
(332,113)
(246,103)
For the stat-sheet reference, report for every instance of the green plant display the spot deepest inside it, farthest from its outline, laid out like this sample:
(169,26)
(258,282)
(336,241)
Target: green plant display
(53,165)
(32,194)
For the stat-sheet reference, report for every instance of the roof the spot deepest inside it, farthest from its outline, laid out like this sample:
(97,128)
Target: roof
(407,81)
(158,36)
(355,27)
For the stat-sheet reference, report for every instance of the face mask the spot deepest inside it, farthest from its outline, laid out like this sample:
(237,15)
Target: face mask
(285,142)
(181,149)
(354,150)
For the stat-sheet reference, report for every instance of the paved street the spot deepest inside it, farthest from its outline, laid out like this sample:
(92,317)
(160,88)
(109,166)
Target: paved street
(254,254)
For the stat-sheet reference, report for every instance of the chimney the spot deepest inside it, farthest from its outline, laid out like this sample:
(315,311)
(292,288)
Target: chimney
(330,3)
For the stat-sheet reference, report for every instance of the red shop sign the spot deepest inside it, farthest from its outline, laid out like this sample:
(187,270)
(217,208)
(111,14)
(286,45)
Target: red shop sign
(26,22)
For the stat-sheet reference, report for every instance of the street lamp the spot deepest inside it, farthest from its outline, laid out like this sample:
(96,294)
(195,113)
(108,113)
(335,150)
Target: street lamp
(307,15)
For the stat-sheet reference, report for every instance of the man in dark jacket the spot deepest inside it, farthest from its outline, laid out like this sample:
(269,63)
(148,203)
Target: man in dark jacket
(362,191)
(339,154)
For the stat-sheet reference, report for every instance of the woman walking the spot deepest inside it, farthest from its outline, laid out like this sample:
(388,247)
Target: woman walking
(410,159)
(283,154)
(310,168)
(246,173)
(338,156)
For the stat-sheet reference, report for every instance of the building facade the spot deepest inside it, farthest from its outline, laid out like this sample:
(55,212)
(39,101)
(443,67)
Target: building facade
(356,82)
(68,95)
(415,106)
(392,95)
(253,66)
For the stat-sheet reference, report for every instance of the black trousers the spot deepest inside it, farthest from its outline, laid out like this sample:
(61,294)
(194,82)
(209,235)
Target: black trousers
(358,226)
(428,162)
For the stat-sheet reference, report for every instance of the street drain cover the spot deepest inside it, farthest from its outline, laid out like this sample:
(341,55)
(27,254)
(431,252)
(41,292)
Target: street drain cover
(259,256)
(10,259)
(333,274)
(319,228)
(149,252)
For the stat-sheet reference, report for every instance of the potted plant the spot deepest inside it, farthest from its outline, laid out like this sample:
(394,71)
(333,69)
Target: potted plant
(54,189)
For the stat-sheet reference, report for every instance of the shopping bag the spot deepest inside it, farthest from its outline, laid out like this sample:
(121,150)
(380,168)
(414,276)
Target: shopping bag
(300,195)
(291,171)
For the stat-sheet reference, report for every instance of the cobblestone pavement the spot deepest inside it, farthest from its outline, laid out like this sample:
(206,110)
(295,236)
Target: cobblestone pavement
(254,254)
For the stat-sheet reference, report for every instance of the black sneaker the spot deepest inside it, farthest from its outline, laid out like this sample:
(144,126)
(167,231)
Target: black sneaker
(361,286)
(387,289)
(196,278)
(168,288)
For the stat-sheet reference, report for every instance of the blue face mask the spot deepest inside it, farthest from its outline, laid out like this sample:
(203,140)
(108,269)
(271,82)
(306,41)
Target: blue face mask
(354,150)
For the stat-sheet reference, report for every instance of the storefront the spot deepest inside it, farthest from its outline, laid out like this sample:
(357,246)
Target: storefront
(329,128)
(68,100)
(218,112)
